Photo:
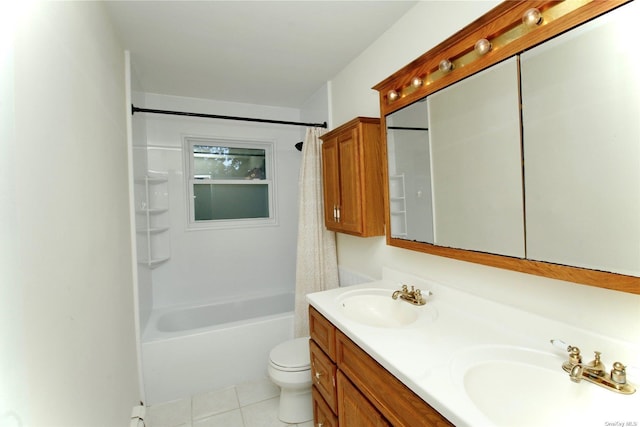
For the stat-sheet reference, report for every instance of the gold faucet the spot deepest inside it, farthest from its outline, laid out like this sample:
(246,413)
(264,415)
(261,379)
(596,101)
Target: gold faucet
(413,296)
(595,371)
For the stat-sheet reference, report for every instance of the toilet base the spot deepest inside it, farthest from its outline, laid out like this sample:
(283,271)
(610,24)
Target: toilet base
(296,406)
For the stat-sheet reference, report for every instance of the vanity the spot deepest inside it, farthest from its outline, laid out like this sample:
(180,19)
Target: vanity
(515,144)
(379,361)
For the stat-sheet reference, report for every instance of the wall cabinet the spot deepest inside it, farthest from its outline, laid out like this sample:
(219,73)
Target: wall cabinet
(352,178)
(361,393)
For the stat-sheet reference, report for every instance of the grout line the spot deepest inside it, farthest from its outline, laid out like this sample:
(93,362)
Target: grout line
(244,423)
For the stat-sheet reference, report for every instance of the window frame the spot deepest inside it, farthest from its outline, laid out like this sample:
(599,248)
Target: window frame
(270,167)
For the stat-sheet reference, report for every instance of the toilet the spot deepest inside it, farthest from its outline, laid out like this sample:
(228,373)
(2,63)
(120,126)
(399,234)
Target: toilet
(290,368)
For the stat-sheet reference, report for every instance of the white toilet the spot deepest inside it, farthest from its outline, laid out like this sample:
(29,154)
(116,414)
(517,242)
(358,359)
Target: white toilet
(290,368)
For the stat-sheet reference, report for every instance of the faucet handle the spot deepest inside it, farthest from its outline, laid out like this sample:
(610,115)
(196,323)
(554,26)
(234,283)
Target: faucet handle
(560,344)
(619,373)
(574,355)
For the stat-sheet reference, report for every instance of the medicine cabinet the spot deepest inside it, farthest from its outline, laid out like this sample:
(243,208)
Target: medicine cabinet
(526,125)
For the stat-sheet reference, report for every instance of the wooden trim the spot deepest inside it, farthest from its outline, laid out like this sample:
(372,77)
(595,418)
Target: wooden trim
(585,276)
(504,16)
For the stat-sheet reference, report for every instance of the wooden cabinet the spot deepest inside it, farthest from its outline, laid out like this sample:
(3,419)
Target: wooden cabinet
(323,416)
(352,178)
(323,374)
(352,390)
(355,410)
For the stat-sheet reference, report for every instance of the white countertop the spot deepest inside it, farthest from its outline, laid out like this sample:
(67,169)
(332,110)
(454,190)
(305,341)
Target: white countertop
(424,355)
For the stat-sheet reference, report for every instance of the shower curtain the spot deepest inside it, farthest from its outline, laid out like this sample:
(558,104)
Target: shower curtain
(316,260)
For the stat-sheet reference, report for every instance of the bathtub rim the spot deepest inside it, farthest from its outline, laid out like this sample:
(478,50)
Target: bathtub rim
(151,332)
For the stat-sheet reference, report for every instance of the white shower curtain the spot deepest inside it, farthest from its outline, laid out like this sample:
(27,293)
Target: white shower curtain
(316,261)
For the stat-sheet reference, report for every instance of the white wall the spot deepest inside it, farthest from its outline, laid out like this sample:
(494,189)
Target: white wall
(71,353)
(316,108)
(206,265)
(140,166)
(423,27)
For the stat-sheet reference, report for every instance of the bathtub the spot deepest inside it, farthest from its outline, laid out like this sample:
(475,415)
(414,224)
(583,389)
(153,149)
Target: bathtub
(191,350)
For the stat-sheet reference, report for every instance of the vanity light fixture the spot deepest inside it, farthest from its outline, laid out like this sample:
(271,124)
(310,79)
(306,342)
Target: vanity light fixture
(392,95)
(532,17)
(416,82)
(482,47)
(445,66)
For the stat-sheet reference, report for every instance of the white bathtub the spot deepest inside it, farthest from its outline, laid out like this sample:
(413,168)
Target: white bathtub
(191,350)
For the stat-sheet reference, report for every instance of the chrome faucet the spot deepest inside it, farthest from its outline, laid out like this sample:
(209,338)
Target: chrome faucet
(413,296)
(595,371)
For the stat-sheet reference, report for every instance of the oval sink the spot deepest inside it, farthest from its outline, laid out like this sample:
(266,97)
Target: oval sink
(524,387)
(375,307)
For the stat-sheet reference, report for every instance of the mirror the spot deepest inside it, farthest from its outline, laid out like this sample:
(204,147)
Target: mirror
(582,146)
(409,166)
(476,162)
(556,183)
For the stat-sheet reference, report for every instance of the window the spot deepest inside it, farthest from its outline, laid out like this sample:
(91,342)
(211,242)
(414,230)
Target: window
(230,183)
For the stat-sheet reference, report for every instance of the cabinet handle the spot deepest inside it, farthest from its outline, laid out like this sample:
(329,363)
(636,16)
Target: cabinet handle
(338,215)
(319,424)
(318,375)
(335,213)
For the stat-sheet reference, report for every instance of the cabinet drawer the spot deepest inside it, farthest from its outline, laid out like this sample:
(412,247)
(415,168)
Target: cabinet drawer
(322,332)
(323,373)
(355,409)
(322,414)
(396,402)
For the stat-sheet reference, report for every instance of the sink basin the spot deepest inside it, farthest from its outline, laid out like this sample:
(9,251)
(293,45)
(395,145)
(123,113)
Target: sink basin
(524,387)
(375,307)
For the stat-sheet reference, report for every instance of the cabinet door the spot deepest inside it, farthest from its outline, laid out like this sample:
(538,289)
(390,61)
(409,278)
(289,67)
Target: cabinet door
(350,188)
(581,104)
(331,182)
(323,373)
(322,332)
(322,414)
(474,127)
(354,410)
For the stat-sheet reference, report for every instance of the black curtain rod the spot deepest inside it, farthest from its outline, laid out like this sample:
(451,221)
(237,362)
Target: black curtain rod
(405,128)
(135,109)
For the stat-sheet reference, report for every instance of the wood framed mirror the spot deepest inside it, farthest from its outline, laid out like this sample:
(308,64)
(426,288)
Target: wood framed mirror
(521,32)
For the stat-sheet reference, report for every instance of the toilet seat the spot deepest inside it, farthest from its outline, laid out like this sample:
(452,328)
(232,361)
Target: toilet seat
(291,356)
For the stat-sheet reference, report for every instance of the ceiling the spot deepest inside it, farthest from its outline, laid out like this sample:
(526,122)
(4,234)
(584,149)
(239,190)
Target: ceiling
(276,53)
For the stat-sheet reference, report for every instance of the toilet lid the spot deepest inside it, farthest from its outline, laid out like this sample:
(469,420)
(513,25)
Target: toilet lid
(291,355)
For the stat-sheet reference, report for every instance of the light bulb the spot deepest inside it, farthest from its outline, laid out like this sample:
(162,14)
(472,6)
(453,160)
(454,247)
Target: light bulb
(416,82)
(482,47)
(445,65)
(532,17)
(392,95)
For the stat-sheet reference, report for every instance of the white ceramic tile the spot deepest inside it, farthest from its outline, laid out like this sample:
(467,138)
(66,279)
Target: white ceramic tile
(263,414)
(307,424)
(256,391)
(226,419)
(171,414)
(215,402)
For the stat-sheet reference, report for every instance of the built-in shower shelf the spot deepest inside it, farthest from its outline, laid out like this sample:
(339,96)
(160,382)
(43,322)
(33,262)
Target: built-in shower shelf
(152,211)
(154,262)
(151,179)
(152,220)
(153,230)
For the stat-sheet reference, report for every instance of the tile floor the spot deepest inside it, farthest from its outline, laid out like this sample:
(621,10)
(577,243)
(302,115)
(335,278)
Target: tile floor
(253,404)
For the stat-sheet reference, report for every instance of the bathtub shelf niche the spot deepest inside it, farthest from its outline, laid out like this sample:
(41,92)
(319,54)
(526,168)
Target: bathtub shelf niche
(152,220)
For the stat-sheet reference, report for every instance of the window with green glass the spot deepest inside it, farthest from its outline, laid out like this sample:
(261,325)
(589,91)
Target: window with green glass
(230,183)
